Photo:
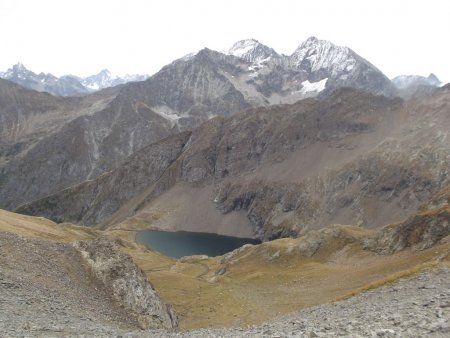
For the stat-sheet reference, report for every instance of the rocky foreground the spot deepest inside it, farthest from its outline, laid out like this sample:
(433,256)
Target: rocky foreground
(51,289)
(63,300)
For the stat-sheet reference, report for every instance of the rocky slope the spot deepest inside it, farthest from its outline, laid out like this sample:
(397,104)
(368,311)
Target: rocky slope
(84,148)
(27,117)
(47,288)
(353,158)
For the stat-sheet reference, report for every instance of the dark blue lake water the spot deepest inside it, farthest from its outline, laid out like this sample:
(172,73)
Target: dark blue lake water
(182,243)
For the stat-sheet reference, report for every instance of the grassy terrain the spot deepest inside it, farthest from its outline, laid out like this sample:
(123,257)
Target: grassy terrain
(260,282)
(39,227)
(257,288)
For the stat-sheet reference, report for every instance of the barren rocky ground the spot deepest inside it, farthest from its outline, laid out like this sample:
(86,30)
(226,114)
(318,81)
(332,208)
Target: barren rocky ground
(43,294)
(47,290)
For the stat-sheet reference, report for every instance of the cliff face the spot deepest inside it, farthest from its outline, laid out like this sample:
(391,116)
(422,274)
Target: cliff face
(353,158)
(82,149)
(428,227)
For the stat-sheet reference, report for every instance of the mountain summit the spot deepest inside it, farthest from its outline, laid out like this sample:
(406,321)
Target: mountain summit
(314,66)
(314,55)
(252,51)
(341,65)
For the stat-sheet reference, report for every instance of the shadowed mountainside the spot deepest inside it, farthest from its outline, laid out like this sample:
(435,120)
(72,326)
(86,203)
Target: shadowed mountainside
(352,158)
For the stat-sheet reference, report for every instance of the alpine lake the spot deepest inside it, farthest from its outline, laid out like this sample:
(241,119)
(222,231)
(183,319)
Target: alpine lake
(183,243)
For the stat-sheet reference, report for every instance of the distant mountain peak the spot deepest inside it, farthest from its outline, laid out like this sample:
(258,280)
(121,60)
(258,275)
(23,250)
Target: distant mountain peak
(312,40)
(409,81)
(320,54)
(18,73)
(243,46)
(105,71)
(66,85)
(434,80)
(19,67)
(251,50)
(106,79)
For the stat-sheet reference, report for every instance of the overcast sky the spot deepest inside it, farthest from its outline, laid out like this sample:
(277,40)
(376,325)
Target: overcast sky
(82,37)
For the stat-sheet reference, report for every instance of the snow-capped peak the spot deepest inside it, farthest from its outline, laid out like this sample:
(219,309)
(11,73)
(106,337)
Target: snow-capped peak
(98,81)
(105,79)
(19,67)
(252,51)
(316,54)
(243,47)
(18,72)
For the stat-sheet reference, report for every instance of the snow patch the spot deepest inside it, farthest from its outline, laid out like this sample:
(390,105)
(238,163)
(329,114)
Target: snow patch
(166,113)
(168,116)
(313,86)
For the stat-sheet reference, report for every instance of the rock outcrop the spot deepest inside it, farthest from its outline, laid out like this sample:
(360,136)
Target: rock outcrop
(127,283)
(51,288)
(428,227)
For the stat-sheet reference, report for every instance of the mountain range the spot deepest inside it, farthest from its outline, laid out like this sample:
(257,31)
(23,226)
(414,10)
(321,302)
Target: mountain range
(54,143)
(67,85)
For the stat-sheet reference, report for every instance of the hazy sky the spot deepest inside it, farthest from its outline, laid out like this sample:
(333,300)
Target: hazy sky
(140,36)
